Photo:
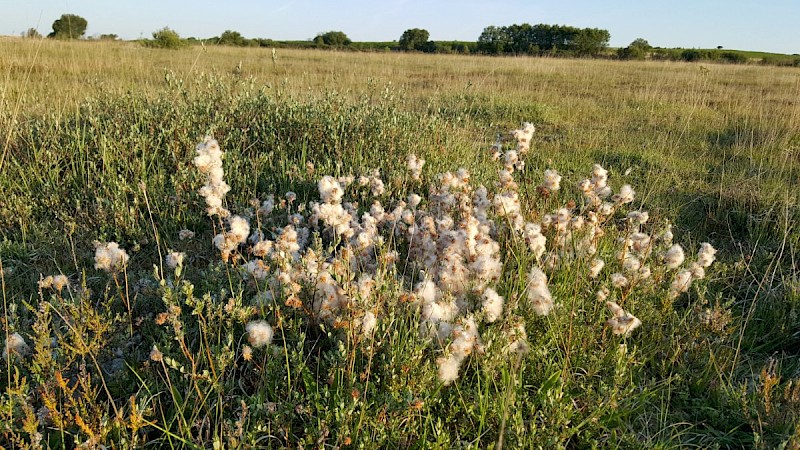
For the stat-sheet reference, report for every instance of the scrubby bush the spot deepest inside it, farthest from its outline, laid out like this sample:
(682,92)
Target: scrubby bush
(165,38)
(733,57)
(638,49)
(332,39)
(234,38)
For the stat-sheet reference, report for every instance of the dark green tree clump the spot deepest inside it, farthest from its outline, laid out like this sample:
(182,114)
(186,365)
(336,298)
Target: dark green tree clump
(165,38)
(69,26)
(638,49)
(235,39)
(414,39)
(543,39)
(332,39)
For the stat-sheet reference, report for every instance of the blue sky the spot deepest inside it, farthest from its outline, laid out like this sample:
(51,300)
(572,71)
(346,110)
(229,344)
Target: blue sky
(737,24)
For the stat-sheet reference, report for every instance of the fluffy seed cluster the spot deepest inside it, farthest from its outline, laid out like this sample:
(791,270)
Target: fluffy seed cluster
(706,255)
(465,341)
(595,267)
(325,258)
(55,282)
(259,333)
(538,292)
(523,137)
(682,280)
(227,242)
(674,257)
(185,234)
(415,165)
(209,162)
(492,305)
(15,345)
(595,190)
(622,322)
(175,259)
(552,180)
(625,195)
(109,257)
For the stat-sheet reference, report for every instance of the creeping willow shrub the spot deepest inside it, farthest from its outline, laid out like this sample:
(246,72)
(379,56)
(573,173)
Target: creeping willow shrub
(466,268)
(444,249)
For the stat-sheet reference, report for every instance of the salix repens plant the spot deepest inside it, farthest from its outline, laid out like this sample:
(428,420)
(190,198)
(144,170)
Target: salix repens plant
(328,257)
(471,276)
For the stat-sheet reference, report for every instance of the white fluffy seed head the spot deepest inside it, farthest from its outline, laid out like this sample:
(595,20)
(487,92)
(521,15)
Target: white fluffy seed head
(15,345)
(330,191)
(674,257)
(623,322)
(552,180)
(595,267)
(368,323)
(492,305)
(110,257)
(427,292)
(538,294)
(240,229)
(448,368)
(626,195)
(415,165)
(414,200)
(706,255)
(259,333)
(619,280)
(175,259)
(698,272)
(631,263)
(680,283)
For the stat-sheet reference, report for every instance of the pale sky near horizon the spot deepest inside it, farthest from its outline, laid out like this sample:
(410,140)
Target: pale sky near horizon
(769,25)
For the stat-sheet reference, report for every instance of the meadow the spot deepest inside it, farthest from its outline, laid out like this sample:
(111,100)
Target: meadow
(294,311)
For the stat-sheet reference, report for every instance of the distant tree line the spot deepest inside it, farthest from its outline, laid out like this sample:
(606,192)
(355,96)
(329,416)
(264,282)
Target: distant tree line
(640,49)
(542,39)
(517,39)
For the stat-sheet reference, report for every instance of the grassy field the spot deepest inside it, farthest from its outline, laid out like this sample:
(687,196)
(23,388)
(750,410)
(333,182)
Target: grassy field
(331,328)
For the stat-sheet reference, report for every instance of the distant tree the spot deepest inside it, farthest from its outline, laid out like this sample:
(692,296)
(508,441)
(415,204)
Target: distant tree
(520,39)
(638,49)
(414,39)
(719,47)
(109,37)
(494,40)
(233,38)
(332,39)
(590,41)
(69,26)
(32,33)
(166,38)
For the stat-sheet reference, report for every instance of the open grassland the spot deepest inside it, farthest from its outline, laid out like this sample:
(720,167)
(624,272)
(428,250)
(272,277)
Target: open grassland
(98,141)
